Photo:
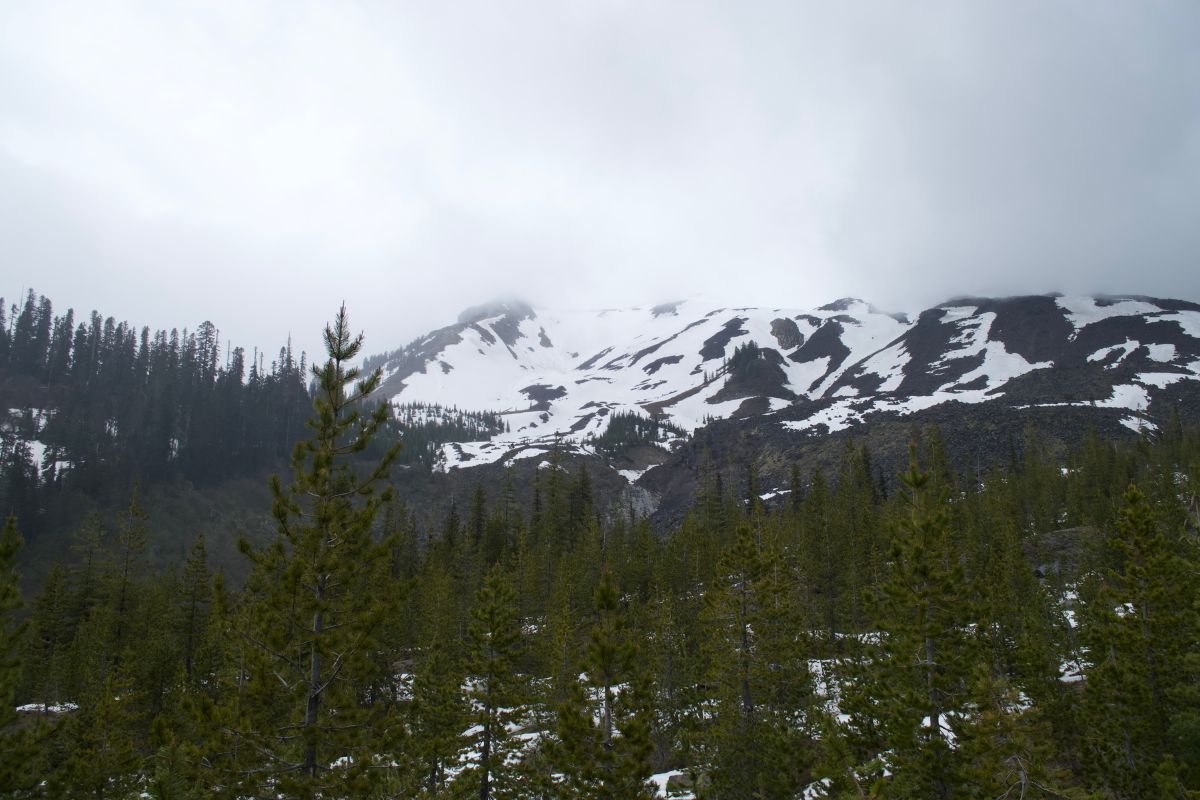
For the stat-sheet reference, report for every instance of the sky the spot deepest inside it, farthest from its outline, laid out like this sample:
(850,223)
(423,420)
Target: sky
(258,162)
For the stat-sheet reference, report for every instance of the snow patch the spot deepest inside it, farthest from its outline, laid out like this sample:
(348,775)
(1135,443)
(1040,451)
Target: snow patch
(632,475)
(1127,395)
(1127,347)
(1084,311)
(1162,352)
(52,708)
(660,781)
(1163,379)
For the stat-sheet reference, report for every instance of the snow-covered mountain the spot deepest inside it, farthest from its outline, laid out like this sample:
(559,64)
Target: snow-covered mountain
(562,374)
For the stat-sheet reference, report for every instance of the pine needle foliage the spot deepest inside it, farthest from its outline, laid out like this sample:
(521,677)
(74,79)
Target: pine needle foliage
(303,724)
(16,740)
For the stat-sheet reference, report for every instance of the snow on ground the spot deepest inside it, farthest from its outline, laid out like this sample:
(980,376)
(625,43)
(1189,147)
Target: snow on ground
(565,373)
(1071,671)
(1162,379)
(1161,352)
(1125,348)
(971,340)
(999,366)
(1138,424)
(837,417)
(38,449)
(1189,321)
(974,338)
(632,475)
(1127,395)
(660,781)
(844,413)
(888,364)
(53,708)
(866,333)
(800,376)
(1084,311)
(601,363)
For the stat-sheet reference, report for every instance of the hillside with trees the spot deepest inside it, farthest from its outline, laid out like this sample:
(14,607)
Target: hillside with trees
(1029,629)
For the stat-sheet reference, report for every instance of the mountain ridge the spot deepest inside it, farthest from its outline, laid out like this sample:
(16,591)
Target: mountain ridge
(557,376)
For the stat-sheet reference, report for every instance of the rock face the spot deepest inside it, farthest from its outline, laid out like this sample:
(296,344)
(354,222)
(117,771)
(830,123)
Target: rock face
(559,375)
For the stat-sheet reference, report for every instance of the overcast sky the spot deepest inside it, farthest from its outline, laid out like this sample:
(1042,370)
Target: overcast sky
(254,163)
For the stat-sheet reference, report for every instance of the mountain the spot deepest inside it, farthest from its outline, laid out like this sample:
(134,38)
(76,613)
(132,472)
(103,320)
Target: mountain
(564,375)
(646,398)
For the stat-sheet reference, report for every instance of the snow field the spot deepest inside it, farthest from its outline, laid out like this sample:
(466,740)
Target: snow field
(634,361)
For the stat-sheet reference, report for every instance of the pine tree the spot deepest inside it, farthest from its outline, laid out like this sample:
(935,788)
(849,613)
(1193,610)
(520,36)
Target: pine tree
(439,709)
(680,689)
(757,746)
(477,516)
(102,755)
(1141,629)
(194,602)
(50,638)
(17,769)
(131,544)
(312,622)
(498,692)
(603,743)
(918,687)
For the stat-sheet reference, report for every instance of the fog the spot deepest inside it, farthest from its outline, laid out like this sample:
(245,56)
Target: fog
(257,163)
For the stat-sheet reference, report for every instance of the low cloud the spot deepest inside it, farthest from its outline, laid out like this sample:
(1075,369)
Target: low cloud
(257,163)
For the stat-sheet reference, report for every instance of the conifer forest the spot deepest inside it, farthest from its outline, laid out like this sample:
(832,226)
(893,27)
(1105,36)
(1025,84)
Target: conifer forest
(1027,629)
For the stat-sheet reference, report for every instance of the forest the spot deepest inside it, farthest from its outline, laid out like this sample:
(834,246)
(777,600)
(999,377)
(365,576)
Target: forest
(1032,631)
(109,404)
(88,408)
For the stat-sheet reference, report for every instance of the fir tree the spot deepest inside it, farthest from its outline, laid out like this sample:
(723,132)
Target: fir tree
(102,754)
(50,639)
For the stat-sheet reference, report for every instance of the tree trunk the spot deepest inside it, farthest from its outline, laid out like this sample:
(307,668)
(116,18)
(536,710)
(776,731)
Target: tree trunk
(935,717)
(485,759)
(314,695)
(608,720)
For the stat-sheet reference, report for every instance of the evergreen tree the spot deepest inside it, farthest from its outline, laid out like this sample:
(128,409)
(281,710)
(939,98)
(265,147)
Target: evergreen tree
(757,745)
(498,692)
(1139,710)
(194,601)
(439,708)
(48,663)
(102,754)
(17,770)
(312,621)
(603,743)
(131,544)
(919,687)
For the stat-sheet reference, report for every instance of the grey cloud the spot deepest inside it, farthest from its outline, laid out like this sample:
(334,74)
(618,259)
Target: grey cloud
(255,163)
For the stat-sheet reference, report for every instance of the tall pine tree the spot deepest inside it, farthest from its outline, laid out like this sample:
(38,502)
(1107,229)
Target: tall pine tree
(304,721)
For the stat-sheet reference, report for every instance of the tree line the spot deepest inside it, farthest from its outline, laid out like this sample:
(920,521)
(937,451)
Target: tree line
(87,408)
(108,403)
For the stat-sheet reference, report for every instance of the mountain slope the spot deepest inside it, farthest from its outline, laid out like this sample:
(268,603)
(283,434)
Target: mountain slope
(562,375)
